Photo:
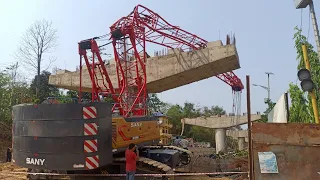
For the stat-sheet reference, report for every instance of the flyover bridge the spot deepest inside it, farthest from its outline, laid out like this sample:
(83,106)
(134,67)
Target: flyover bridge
(166,72)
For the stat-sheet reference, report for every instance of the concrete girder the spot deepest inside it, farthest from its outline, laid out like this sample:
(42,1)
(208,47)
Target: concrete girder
(216,122)
(166,72)
(221,124)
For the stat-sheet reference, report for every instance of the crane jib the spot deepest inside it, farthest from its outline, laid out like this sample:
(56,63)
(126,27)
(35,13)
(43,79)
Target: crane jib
(128,36)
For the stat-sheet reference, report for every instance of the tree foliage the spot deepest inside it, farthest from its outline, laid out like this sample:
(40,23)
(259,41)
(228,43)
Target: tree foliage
(189,110)
(45,89)
(155,104)
(12,91)
(4,100)
(75,95)
(213,111)
(299,110)
(270,104)
(301,106)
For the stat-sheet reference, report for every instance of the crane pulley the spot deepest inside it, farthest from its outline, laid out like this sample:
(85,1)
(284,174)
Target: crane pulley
(128,37)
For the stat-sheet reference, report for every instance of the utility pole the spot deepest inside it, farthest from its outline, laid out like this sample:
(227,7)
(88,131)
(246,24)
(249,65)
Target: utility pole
(315,26)
(268,88)
(307,84)
(250,157)
(268,73)
(303,4)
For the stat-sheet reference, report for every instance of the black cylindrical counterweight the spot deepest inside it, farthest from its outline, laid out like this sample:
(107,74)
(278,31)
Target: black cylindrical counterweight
(62,136)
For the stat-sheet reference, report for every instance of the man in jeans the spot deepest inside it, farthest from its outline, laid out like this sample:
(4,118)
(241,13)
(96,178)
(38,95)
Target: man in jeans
(9,154)
(131,159)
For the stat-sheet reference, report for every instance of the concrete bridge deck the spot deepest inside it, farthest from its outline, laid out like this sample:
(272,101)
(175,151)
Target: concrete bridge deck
(216,122)
(167,72)
(221,124)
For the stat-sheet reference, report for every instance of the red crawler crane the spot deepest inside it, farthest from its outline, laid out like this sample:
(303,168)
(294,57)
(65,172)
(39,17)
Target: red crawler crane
(128,37)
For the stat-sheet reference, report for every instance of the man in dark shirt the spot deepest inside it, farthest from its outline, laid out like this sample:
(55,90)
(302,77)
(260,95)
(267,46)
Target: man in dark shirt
(131,159)
(9,154)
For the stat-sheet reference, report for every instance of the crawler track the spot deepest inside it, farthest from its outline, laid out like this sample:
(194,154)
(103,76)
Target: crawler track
(39,176)
(149,165)
(144,164)
(185,155)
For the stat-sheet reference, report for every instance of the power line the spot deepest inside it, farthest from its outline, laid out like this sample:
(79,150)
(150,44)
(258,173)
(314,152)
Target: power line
(309,25)
(301,19)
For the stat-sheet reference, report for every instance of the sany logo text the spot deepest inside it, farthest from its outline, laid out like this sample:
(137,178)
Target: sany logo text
(35,161)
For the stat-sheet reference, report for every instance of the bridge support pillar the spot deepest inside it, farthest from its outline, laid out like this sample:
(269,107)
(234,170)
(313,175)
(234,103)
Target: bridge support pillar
(241,142)
(220,137)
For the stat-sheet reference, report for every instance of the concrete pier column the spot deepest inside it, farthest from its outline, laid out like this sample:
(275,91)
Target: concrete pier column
(241,142)
(220,140)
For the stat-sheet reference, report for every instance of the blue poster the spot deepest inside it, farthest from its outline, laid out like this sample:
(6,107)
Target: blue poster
(268,162)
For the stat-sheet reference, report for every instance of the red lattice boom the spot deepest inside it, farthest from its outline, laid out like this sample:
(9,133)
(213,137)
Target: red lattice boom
(128,37)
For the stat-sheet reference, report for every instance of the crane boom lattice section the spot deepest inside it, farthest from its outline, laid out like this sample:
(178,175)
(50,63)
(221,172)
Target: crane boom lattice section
(129,36)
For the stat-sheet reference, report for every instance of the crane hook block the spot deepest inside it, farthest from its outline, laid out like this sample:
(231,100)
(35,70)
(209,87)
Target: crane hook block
(236,88)
(117,34)
(84,45)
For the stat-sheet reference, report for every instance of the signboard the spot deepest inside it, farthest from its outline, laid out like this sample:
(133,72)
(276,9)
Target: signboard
(268,162)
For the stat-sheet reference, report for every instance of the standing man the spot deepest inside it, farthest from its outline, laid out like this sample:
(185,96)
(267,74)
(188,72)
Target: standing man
(9,154)
(131,159)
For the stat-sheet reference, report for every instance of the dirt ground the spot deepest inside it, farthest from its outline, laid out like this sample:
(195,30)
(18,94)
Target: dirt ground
(198,164)
(6,170)
(3,150)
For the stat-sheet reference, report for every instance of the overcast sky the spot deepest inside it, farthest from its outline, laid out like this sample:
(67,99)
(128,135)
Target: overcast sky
(264,32)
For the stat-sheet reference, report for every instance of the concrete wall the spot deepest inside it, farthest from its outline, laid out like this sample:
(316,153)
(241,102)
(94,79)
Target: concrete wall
(295,145)
(169,71)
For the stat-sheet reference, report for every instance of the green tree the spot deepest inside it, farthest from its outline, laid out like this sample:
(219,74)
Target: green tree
(270,106)
(19,90)
(45,89)
(213,111)
(299,110)
(175,114)
(5,109)
(155,104)
(74,95)
(301,106)
(189,110)
(202,134)
(264,116)
(12,91)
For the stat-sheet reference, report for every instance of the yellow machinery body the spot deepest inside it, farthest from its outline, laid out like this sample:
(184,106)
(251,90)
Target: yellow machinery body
(126,131)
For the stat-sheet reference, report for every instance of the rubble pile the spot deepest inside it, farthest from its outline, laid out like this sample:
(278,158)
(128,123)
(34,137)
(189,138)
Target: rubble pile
(228,155)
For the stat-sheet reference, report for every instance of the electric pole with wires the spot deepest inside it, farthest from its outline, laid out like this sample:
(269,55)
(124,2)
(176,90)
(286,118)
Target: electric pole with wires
(303,4)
